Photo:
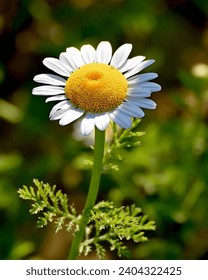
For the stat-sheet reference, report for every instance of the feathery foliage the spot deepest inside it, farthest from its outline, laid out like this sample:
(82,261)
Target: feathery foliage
(52,205)
(121,139)
(106,223)
(115,225)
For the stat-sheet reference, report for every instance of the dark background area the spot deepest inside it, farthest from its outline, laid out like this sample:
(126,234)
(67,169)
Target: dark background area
(166,176)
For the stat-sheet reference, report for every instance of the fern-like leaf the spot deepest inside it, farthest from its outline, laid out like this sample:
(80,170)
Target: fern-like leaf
(115,225)
(51,204)
(122,139)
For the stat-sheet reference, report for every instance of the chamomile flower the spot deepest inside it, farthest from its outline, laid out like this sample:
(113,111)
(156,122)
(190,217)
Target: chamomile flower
(97,86)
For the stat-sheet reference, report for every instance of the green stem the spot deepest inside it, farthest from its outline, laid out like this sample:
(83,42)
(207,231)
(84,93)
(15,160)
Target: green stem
(92,193)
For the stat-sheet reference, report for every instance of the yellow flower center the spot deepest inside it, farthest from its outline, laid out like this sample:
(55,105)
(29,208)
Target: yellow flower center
(96,87)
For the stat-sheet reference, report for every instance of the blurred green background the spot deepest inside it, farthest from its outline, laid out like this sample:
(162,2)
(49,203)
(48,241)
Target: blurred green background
(167,175)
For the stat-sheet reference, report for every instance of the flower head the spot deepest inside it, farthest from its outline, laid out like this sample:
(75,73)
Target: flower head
(99,86)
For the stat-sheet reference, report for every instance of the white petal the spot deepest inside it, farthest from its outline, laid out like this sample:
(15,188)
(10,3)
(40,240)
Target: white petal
(131,63)
(104,52)
(75,56)
(61,105)
(88,53)
(120,55)
(151,86)
(139,68)
(56,98)
(102,121)
(57,66)
(143,102)
(48,90)
(87,124)
(120,119)
(131,110)
(138,92)
(70,116)
(59,114)
(141,78)
(66,59)
(50,79)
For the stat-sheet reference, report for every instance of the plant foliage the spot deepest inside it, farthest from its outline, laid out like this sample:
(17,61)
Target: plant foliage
(106,223)
(115,225)
(50,204)
(121,139)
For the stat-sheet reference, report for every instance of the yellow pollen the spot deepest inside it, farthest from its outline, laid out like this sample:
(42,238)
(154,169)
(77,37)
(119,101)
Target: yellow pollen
(96,87)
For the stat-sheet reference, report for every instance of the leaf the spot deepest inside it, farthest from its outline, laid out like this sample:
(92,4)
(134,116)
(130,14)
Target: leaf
(50,204)
(121,140)
(107,223)
(115,225)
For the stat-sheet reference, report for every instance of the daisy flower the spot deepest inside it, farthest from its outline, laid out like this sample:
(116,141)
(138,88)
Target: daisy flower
(97,86)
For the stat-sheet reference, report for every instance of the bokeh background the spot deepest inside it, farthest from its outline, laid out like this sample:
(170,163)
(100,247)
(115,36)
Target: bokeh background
(167,176)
